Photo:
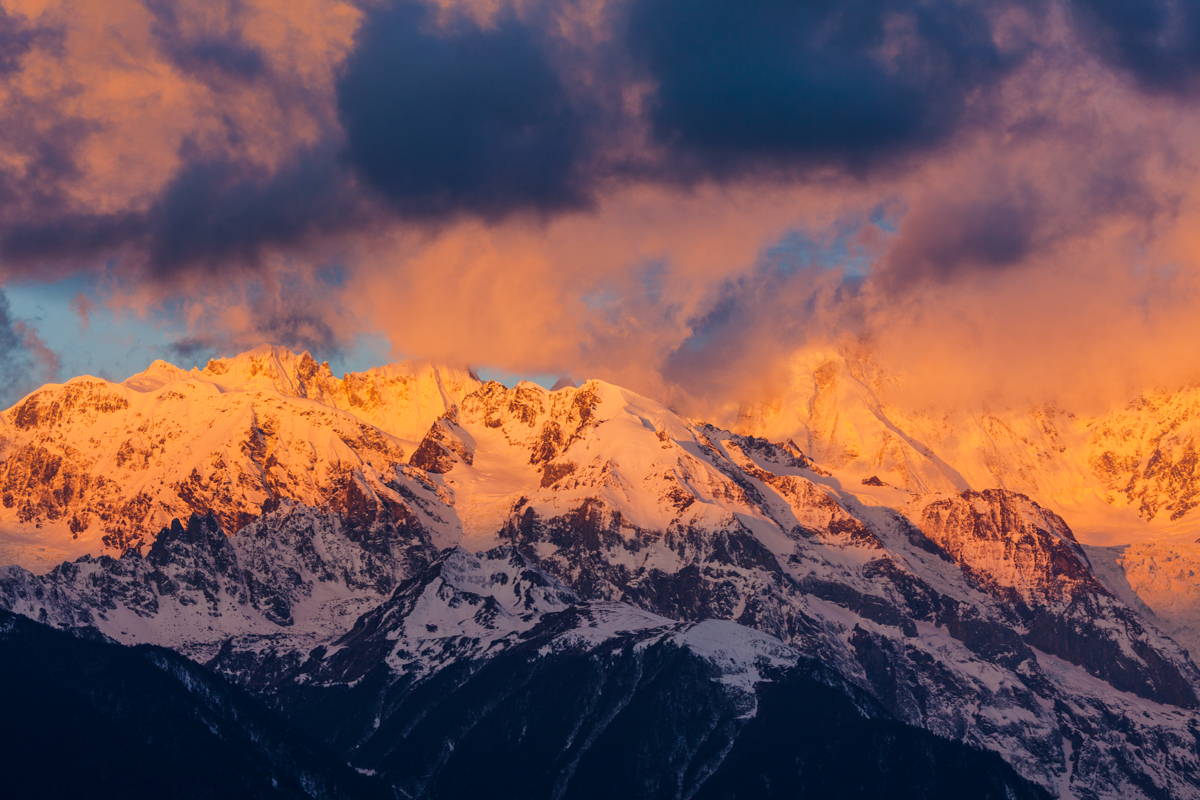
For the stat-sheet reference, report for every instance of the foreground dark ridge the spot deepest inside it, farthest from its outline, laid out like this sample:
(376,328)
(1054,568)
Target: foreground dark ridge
(89,718)
(657,722)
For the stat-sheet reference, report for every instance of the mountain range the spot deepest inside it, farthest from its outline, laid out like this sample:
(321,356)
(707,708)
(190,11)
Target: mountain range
(463,589)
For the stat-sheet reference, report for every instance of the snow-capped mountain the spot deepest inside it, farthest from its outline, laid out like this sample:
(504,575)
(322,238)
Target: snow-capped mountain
(1130,474)
(1127,480)
(403,399)
(360,576)
(90,466)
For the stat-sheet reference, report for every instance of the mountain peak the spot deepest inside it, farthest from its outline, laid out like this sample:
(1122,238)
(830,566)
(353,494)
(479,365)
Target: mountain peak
(402,398)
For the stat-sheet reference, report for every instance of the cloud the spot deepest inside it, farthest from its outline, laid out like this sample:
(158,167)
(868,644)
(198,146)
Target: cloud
(193,349)
(213,215)
(199,135)
(296,307)
(459,118)
(753,325)
(244,139)
(240,140)
(944,235)
(1155,41)
(11,351)
(213,51)
(84,307)
(16,37)
(46,362)
(219,213)
(762,85)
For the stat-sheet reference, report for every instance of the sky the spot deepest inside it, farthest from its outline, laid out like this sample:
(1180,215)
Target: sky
(997,200)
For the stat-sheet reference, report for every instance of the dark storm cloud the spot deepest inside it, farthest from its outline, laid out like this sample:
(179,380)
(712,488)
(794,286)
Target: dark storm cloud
(442,122)
(213,214)
(32,245)
(451,119)
(221,53)
(744,85)
(1157,41)
(34,186)
(953,234)
(219,212)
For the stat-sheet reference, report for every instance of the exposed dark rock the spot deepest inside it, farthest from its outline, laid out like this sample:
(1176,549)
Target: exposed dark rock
(553,473)
(441,449)
(1028,559)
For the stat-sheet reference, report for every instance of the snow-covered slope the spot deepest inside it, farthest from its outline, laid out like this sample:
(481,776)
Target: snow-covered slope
(1161,579)
(1128,480)
(530,451)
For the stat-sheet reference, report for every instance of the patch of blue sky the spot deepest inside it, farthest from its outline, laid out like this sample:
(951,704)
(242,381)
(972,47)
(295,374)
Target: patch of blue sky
(114,345)
(109,346)
(885,218)
(830,247)
(364,352)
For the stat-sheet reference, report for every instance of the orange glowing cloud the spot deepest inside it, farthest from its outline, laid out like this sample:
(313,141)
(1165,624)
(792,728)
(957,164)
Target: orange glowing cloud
(998,205)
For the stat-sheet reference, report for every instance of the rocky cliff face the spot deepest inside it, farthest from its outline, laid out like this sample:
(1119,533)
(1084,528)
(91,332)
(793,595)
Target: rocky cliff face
(1027,558)
(1144,455)
(295,574)
(530,539)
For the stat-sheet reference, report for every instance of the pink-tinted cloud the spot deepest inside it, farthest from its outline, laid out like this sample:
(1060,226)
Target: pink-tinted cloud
(47,362)
(84,307)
